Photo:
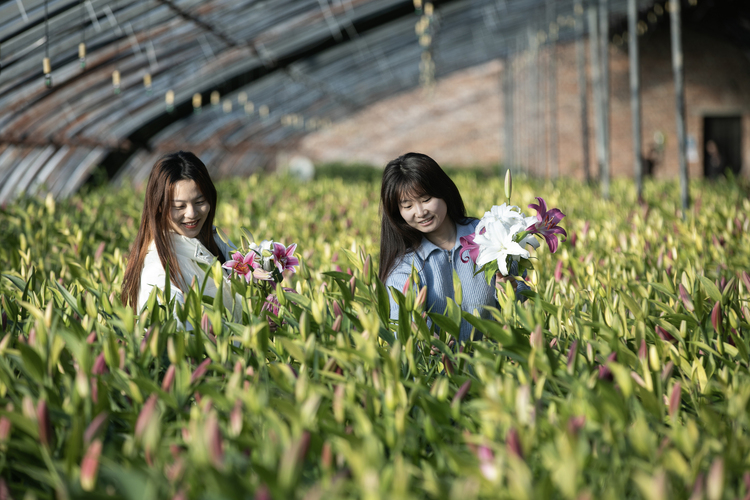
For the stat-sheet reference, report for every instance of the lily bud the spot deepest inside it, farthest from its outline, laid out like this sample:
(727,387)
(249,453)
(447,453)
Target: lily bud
(421,298)
(166,384)
(508,184)
(100,365)
(572,352)
(95,427)
(90,465)
(558,270)
(462,391)
(45,428)
(235,419)
(200,370)
(366,272)
(353,285)
(337,309)
(685,297)
(716,316)
(214,441)
(536,339)
(513,443)
(746,280)
(642,351)
(675,399)
(145,416)
(91,338)
(407,285)
(5,427)
(715,480)
(337,324)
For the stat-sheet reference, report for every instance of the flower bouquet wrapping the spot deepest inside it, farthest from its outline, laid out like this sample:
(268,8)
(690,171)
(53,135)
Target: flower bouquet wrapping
(262,267)
(502,235)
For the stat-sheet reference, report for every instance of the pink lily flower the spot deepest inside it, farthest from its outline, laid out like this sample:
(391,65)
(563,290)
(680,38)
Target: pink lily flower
(547,225)
(283,257)
(242,265)
(468,245)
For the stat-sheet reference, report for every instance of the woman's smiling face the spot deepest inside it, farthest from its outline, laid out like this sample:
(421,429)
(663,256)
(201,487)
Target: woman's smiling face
(424,213)
(189,208)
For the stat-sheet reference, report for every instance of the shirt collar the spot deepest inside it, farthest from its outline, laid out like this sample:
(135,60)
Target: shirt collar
(427,247)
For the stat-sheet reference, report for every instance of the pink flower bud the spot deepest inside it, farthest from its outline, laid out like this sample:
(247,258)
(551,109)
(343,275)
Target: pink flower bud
(326,456)
(200,371)
(715,479)
(643,351)
(575,424)
(5,427)
(536,339)
(32,337)
(144,340)
(91,338)
(90,465)
(166,384)
(421,297)
(121,352)
(262,493)
(205,323)
(45,428)
(407,285)
(462,391)
(746,280)
(573,238)
(100,365)
(716,316)
(214,441)
(572,352)
(235,418)
(353,286)
(96,425)
(558,270)
(366,271)
(665,335)
(667,371)
(337,323)
(685,297)
(513,443)
(4,492)
(337,309)
(674,399)
(147,412)
(604,372)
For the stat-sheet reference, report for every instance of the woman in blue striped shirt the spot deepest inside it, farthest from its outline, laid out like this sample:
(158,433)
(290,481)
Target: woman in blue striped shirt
(422,221)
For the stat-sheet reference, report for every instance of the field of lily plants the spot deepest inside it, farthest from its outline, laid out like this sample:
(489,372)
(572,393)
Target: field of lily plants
(625,374)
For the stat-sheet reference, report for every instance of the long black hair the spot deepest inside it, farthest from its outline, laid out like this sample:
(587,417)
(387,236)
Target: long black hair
(416,175)
(155,221)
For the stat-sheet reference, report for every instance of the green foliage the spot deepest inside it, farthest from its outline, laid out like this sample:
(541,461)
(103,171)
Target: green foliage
(624,374)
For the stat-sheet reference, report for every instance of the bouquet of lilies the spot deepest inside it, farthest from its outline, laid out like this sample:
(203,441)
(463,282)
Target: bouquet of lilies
(504,232)
(263,265)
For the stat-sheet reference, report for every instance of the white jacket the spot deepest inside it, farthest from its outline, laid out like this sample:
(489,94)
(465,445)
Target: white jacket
(189,252)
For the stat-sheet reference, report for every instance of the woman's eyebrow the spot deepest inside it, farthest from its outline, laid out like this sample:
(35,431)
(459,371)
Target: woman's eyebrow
(183,201)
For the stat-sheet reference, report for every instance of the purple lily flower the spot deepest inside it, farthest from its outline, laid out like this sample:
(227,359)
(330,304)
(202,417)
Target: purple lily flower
(547,225)
(283,257)
(468,245)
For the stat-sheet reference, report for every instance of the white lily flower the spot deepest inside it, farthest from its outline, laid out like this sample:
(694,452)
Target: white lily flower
(496,243)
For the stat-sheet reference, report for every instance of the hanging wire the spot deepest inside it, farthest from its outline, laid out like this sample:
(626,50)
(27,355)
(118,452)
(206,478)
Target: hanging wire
(46,66)
(82,45)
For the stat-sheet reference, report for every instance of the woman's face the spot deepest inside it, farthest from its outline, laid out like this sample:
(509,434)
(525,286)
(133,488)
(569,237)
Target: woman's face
(189,208)
(424,213)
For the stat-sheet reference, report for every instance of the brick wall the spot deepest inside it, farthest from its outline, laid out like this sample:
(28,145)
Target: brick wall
(460,121)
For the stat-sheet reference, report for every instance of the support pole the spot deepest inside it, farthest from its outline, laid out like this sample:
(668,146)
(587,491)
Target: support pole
(679,92)
(604,92)
(582,90)
(635,95)
(553,147)
(508,120)
(596,83)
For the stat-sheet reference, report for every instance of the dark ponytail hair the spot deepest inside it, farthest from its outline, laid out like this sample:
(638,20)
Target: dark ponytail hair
(155,220)
(412,174)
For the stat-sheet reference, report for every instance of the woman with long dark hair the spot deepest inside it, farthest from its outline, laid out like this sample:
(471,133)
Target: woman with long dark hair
(422,220)
(176,233)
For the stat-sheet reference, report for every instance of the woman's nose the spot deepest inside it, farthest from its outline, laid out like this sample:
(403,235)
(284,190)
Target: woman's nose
(189,212)
(420,209)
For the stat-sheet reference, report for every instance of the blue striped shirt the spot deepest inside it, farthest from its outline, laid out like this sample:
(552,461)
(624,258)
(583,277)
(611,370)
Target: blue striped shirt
(435,268)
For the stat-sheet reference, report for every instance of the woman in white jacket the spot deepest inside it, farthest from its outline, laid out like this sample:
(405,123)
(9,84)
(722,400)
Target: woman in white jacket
(177,232)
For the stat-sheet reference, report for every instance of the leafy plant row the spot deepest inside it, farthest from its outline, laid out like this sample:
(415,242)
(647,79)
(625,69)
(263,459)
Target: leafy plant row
(624,374)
